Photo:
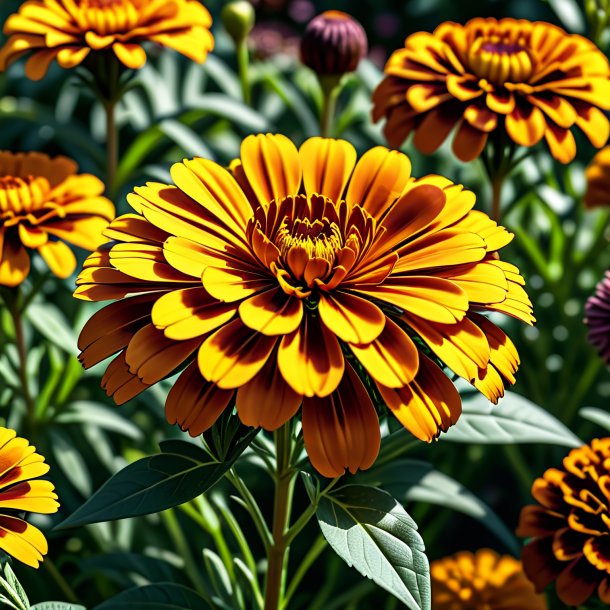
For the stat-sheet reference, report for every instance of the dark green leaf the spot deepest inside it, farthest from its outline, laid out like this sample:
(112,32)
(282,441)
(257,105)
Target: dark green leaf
(161,596)
(372,532)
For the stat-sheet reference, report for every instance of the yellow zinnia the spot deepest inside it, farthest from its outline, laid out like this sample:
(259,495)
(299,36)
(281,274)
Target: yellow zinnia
(528,80)
(69,30)
(288,280)
(44,202)
(22,491)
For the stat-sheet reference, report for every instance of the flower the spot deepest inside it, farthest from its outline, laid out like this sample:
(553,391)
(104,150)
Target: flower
(530,80)
(598,180)
(69,30)
(21,490)
(286,281)
(333,44)
(482,581)
(597,312)
(43,202)
(570,526)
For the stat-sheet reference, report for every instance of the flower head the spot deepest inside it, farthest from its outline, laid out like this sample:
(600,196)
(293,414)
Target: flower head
(21,490)
(597,318)
(333,44)
(598,180)
(69,30)
(482,581)
(530,80)
(571,526)
(285,282)
(44,203)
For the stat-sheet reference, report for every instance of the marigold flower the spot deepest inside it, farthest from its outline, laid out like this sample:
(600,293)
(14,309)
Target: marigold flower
(531,80)
(280,282)
(598,180)
(482,581)
(22,491)
(570,527)
(597,318)
(43,202)
(333,44)
(69,30)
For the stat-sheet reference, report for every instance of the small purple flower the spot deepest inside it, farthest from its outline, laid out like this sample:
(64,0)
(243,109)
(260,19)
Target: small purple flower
(597,318)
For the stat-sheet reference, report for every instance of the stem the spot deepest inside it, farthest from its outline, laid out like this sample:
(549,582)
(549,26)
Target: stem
(62,583)
(330,93)
(496,196)
(314,552)
(278,552)
(243,62)
(112,146)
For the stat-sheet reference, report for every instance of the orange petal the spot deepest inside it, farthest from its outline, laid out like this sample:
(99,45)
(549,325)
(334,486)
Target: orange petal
(352,318)
(31,496)
(435,127)
(594,124)
(130,54)
(272,312)
(310,359)
(577,582)
(59,257)
(194,403)
(22,540)
(341,431)
(539,563)
(230,285)
(14,263)
(120,383)
(428,405)
(561,143)
(526,125)
(468,142)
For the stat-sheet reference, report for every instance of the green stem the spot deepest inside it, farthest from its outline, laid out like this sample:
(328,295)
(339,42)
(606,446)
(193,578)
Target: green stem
(61,582)
(330,93)
(112,146)
(496,196)
(519,465)
(314,552)
(587,377)
(277,554)
(243,63)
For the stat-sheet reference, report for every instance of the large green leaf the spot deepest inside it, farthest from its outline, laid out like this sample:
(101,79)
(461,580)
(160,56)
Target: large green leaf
(596,416)
(372,532)
(418,481)
(155,483)
(161,596)
(57,606)
(514,419)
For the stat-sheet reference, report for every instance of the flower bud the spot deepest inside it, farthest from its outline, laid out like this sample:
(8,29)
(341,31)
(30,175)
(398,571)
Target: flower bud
(333,44)
(238,18)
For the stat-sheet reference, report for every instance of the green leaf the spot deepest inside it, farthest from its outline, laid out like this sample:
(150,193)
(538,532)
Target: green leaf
(372,532)
(15,595)
(57,606)
(71,461)
(418,481)
(514,419)
(597,416)
(155,483)
(161,596)
(51,323)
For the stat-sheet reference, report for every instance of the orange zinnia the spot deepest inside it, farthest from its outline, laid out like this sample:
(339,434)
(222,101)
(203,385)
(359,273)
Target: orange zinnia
(571,526)
(301,278)
(69,30)
(21,491)
(530,80)
(43,202)
(482,581)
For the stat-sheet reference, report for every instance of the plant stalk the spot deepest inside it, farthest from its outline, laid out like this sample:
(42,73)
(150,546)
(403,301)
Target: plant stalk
(243,64)
(330,93)
(496,196)
(112,146)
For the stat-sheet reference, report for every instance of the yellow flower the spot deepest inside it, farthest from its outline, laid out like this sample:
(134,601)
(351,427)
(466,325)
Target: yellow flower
(69,30)
(282,282)
(570,526)
(482,581)
(43,202)
(598,180)
(22,491)
(529,80)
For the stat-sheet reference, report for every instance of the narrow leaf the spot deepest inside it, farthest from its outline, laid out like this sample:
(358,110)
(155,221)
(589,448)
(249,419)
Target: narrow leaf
(161,596)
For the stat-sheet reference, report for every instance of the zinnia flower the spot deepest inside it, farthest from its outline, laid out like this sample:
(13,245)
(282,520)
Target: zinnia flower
(529,80)
(598,180)
(69,30)
(21,490)
(597,318)
(482,581)
(43,202)
(284,282)
(570,527)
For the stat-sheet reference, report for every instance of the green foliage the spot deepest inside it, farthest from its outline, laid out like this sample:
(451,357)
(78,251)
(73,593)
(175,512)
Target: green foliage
(160,596)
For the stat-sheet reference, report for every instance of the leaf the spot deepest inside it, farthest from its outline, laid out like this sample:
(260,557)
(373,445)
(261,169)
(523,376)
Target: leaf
(161,596)
(514,419)
(50,322)
(418,481)
(15,595)
(97,414)
(155,483)
(57,606)
(372,532)
(71,461)
(597,416)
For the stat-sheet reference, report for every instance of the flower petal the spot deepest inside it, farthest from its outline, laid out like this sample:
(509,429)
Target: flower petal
(272,312)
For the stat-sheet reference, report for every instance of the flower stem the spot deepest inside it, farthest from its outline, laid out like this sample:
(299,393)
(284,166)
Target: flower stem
(330,93)
(112,146)
(314,552)
(243,63)
(496,197)
(278,551)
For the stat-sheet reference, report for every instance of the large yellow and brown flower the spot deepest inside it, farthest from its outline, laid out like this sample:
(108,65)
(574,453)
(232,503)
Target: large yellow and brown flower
(598,180)
(571,526)
(482,581)
(44,202)
(285,281)
(530,80)
(21,490)
(69,30)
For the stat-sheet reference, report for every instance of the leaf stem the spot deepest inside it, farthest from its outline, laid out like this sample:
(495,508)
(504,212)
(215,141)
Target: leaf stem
(62,583)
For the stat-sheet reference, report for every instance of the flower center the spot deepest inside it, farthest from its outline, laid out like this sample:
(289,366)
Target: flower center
(106,17)
(500,61)
(22,195)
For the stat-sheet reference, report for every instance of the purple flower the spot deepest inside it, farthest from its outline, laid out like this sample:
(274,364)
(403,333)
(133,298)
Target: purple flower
(597,318)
